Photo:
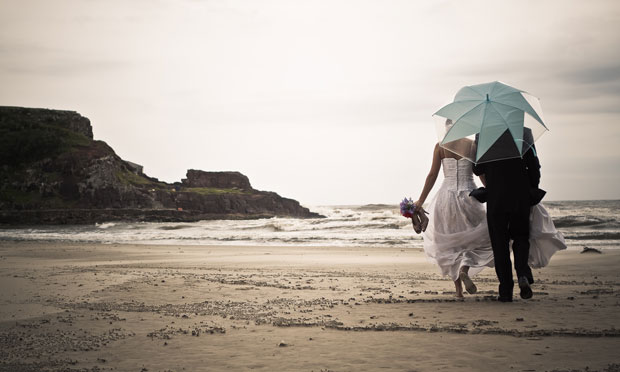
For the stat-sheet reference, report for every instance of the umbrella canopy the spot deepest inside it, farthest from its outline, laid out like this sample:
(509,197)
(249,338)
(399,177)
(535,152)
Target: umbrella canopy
(488,122)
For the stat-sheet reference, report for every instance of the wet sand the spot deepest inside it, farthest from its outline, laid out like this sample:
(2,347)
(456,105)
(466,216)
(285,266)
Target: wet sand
(93,307)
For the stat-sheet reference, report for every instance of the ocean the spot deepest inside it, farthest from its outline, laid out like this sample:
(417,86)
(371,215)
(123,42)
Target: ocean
(593,223)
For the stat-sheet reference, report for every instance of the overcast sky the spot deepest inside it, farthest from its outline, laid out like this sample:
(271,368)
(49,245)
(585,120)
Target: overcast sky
(326,102)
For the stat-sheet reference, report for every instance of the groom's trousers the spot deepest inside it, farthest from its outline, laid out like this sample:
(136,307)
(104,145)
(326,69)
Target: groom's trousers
(505,225)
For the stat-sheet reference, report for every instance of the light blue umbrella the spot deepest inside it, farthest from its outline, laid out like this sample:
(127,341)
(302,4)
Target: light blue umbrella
(491,121)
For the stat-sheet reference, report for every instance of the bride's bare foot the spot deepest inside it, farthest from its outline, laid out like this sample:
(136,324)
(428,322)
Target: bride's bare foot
(469,284)
(459,288)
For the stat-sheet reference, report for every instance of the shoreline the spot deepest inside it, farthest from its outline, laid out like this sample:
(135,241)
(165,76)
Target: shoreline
(91,307)
(579,248)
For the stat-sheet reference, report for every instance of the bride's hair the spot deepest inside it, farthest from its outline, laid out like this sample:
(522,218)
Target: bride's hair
(449,124)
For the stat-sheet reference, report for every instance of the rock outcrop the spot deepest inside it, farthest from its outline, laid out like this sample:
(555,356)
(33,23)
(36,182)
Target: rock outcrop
(53,172)
(222,180)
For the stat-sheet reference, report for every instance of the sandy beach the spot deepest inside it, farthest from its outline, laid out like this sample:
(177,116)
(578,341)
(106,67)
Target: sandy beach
(95,307)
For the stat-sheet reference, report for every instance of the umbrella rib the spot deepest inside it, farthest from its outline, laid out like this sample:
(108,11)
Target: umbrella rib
(471,109)
(474,91)
(455,121)
(461,101)
(515,90)
(518,108)
(500,115)
(483,125)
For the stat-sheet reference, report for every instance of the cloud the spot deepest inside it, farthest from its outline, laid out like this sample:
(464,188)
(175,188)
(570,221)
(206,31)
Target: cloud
(40,60)
(603,73)
(61,68)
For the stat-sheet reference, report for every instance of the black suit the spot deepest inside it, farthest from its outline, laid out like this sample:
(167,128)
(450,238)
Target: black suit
(508,183)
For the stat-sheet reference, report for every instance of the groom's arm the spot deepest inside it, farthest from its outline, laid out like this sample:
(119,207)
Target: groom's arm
(479,169)
(533,166)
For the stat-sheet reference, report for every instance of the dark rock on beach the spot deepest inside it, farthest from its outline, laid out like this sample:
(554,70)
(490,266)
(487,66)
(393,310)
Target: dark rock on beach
(221,180)
(590,250)
(52,171)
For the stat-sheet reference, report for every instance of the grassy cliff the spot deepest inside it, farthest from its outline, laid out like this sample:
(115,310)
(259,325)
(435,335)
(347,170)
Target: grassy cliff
(53,171)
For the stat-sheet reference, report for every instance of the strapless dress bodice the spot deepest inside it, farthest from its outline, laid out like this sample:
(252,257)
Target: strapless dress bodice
(458,174)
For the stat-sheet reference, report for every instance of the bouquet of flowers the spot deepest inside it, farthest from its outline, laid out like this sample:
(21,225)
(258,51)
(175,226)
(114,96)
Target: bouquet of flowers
(417,215)
(407,208)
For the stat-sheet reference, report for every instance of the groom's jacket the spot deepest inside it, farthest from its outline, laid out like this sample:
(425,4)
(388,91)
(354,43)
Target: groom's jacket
(509,181)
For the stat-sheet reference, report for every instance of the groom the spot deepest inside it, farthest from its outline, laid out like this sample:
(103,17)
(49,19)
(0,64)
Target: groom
(508,183)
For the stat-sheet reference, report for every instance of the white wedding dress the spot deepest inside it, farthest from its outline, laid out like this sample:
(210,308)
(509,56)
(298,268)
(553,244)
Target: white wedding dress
(457,234)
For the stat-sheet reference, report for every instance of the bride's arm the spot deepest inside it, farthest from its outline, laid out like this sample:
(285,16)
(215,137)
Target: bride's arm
(431,178)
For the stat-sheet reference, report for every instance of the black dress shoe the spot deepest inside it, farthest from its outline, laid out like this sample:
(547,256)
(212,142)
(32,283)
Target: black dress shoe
(524,285)
(504,298)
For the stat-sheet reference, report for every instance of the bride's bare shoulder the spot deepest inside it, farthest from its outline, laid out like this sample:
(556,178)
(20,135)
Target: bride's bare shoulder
(438,151)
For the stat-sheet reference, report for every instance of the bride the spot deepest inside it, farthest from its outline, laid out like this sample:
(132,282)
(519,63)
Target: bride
(457,236)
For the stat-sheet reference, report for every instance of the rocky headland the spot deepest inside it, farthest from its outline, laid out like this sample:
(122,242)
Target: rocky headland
(52,171)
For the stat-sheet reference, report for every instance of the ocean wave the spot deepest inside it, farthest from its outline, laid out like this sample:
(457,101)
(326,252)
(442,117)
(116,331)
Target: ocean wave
(375,207)
(329,220)
(361,226)
(174,227)
(583,221)
(105,225)
(615,235)
(272,227)
(382,218)
(594,223)
(353,224)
